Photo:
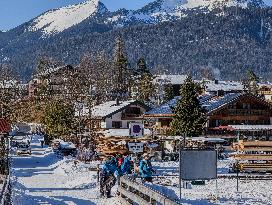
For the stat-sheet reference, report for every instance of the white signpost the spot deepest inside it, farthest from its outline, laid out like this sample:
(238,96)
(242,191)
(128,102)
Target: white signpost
(136,147)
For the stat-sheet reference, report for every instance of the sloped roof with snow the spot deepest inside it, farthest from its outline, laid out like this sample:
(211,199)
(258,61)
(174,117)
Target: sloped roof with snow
(110,108)
(212,86)
(216,103)
(170,79)
(167,108)
(209,102)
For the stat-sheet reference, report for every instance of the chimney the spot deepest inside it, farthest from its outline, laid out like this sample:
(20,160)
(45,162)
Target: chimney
(216,82)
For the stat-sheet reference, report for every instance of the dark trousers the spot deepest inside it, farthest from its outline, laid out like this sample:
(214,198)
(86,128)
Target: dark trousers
(106,183)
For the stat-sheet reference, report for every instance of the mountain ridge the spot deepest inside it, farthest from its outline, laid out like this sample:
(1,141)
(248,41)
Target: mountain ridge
(180,43)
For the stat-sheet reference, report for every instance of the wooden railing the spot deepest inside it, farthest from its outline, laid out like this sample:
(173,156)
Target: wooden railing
(268,92)
(132,192)
(5,193)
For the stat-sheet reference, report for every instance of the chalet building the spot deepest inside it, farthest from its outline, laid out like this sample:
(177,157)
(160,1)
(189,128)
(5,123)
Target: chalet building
(114,116)
(216,87)
(266,91)
(222,113)
(175,80)
(55,79)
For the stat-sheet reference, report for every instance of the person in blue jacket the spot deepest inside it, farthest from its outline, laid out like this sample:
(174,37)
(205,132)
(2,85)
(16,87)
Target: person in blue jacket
(146,169)
(107,176)
(126,167)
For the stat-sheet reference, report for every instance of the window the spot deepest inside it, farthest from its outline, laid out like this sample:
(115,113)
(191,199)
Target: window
(133,110)
(116,124)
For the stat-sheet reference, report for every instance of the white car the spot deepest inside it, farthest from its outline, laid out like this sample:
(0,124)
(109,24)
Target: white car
(23,149)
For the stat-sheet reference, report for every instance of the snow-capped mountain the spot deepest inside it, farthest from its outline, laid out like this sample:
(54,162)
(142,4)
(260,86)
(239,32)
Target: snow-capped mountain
(180,35)
(58,20)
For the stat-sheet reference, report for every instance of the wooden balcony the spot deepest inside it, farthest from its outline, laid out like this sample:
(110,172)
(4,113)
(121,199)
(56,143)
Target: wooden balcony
(131,116)
(266,92)
(246,112)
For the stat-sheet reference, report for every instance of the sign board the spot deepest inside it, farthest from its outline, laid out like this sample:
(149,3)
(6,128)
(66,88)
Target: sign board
(198,164)
(136,129)
(136,147)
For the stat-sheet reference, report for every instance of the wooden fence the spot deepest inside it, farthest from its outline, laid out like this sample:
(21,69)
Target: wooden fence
(132,192)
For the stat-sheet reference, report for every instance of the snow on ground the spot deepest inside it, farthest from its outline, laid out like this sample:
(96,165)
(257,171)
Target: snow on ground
(44,178)
(257,192)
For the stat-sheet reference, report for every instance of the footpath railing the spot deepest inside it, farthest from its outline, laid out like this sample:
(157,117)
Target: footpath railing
(5,194)
(132,192)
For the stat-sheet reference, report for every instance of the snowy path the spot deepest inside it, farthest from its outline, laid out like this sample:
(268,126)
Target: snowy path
(43,178)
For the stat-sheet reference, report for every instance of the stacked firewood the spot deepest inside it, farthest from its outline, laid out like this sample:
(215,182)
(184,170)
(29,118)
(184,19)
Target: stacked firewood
(116,145)
(111,145)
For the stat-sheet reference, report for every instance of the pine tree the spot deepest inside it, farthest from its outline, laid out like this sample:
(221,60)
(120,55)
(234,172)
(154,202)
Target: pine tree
(251,83)
(143,86)
(168,92)
(121,70)
(59,118)
(189,115)
(9,90)
(142,67)
(146,88)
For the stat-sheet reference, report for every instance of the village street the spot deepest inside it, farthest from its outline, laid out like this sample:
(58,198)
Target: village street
(45,178)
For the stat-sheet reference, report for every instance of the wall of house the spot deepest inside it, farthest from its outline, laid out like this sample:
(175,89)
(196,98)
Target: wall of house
(245,111)
(119,117)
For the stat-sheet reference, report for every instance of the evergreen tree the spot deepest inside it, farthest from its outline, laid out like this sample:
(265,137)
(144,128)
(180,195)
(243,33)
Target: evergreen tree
(146,88)
(59,118)
(189,115)
(168,92)
(142,67)
(121,82)
(143,87)
(9,90)
(251,83)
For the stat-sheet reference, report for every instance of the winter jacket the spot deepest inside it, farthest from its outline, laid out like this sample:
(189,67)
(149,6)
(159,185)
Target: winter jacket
(109,168)
(126,166)
(145,168)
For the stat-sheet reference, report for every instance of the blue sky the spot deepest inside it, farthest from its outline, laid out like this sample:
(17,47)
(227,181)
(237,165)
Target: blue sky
(16,12)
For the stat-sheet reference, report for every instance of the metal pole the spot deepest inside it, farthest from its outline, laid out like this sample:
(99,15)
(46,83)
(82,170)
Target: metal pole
(237,168)
(180,169)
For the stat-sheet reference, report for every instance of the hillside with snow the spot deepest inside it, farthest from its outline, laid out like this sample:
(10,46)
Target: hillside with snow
(226,36)
(56,21)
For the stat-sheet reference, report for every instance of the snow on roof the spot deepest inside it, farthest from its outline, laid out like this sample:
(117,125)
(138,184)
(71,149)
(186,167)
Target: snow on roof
(8,84)
(167,108)
(212,86)
(108,108)
(122,132)
(251,127)
(173,79)
(208,102)
(215,103)
(206,139)
(54,69)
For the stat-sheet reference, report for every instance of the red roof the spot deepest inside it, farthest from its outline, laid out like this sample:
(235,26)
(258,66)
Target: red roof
(5,126)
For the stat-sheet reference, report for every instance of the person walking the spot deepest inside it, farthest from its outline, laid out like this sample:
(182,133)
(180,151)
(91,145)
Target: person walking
(126,167)
(42,143)
(107,177)
(146,169)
